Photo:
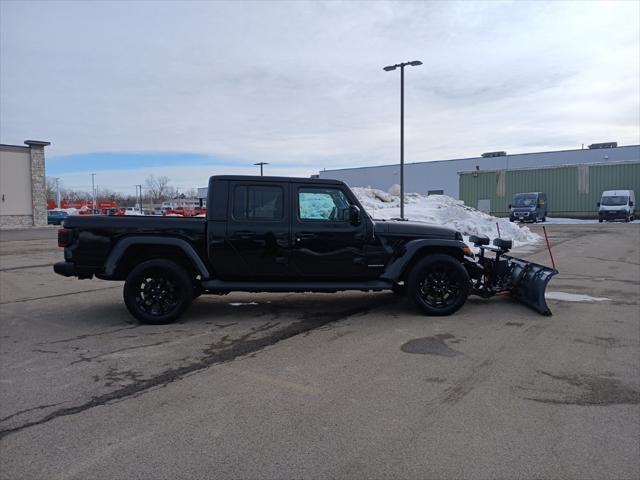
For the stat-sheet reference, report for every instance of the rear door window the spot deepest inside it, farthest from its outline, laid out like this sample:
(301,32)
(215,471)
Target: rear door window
(258,203)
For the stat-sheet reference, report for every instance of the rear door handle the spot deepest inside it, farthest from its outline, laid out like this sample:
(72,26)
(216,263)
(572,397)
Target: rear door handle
(244,234)
(305,236)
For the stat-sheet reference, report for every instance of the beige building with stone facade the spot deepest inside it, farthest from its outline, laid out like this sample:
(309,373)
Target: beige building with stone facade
(23,197)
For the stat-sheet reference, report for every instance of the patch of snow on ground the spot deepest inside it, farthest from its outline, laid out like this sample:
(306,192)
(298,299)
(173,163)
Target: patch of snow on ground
(69,211)
(568,221)
(577,221)
(445,211)
(242,304)
(573,297)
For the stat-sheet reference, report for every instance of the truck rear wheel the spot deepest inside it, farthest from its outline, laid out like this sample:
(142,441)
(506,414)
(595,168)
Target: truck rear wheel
(438,284)
(157,291)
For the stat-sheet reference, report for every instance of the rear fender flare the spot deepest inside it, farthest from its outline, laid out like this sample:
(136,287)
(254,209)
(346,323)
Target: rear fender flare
(121,248)
(396,269)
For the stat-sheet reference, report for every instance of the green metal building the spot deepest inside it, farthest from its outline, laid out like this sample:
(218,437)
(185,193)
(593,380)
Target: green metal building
(572,191)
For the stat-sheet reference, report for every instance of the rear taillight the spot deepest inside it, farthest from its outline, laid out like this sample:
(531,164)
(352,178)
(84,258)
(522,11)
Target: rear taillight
(64,237)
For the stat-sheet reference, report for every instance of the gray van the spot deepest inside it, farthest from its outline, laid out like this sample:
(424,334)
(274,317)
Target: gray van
(528,207)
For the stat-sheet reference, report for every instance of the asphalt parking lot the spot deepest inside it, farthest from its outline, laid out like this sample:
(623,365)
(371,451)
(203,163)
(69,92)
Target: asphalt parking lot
(346,385)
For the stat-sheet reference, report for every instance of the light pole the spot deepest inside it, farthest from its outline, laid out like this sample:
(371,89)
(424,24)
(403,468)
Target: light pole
(58,192)
(261,164)
(93,189)
(139,198)
(390,68)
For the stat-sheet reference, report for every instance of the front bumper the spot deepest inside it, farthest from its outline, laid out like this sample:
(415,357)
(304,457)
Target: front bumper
(66,269)
(613,214)
(522,216)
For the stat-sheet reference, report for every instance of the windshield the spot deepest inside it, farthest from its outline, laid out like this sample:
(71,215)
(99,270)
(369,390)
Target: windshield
(525,200)
(615,200)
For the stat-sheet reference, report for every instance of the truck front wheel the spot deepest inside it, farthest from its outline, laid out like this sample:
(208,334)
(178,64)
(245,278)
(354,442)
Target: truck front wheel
(438,284)
(157,291)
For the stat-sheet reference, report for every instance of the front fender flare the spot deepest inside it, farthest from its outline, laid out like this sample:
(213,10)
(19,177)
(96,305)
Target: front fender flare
(398,265)
(121,247)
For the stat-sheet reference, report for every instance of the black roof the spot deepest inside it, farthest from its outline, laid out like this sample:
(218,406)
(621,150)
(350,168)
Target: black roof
(325,181)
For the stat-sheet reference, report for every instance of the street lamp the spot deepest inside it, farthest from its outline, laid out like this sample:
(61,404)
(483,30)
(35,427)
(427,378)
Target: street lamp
(390,68)
(93,189)
(57,192)
(261,164)
(139,197)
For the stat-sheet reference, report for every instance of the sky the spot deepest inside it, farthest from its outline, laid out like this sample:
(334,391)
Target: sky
(193,89)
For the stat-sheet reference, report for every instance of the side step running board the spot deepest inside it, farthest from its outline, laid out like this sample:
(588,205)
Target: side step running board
(220,286)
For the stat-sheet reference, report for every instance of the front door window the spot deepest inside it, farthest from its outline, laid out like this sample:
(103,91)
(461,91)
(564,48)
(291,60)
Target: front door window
(323,205)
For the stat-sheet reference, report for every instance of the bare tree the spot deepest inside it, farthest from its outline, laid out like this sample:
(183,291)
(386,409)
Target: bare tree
(70,194)
(191,193)
(104,193)
(51,188)
(158,188)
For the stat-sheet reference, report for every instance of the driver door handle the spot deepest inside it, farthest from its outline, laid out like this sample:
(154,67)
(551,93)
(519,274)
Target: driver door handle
(305,236)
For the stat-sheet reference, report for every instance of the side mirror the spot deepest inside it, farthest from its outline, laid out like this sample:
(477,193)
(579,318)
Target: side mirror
(630,203)
(354,215)
(509,206)
(598,203)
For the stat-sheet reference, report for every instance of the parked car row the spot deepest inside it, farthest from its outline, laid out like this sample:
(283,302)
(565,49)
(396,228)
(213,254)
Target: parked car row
(56,216)
(533,207)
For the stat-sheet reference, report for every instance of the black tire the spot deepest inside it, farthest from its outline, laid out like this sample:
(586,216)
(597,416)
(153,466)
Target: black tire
(599,220)
(157,292)
(438,284)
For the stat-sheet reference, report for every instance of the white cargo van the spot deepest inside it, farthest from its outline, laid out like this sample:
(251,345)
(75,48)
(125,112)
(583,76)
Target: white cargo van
(617,204)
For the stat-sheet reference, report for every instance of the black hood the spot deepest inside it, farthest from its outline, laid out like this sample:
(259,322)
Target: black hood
(414,229)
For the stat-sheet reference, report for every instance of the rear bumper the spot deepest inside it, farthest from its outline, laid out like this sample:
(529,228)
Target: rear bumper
(66,269)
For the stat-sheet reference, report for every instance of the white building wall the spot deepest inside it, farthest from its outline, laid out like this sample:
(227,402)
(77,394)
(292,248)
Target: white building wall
(443,174)
(23,200)
(15,181)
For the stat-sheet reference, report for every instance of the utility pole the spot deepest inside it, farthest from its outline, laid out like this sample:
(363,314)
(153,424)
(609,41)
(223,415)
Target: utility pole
(57,192)
(93,188)
(261,165)
(139,197)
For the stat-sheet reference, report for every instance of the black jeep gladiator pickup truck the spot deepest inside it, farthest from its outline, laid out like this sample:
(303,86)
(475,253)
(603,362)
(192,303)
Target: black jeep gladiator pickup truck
(278,234)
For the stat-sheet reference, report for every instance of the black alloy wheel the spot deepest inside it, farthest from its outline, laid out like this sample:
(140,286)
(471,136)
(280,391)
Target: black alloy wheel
(438,284)
(158,291)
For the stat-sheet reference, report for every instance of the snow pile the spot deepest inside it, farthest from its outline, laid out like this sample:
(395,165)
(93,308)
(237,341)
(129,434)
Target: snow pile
(573,297)
(68,211)
(444,211)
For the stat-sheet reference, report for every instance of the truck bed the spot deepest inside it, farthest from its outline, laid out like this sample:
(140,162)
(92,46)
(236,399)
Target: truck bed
(95,236)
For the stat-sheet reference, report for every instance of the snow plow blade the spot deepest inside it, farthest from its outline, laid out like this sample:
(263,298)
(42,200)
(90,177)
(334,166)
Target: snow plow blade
(529,283)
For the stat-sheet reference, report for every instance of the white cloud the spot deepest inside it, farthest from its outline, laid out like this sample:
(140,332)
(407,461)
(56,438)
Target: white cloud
(303,82)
